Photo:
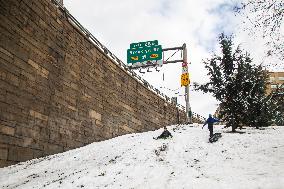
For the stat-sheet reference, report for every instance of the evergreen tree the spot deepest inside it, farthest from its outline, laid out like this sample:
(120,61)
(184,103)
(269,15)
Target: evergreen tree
(258,110)
(238,85)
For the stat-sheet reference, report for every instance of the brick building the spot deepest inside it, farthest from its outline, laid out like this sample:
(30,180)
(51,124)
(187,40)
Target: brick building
(276,80)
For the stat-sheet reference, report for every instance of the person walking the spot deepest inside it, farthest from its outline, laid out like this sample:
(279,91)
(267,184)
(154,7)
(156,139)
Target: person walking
(210,121)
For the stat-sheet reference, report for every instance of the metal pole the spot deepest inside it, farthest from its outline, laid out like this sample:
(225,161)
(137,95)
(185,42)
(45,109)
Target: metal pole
(187,104)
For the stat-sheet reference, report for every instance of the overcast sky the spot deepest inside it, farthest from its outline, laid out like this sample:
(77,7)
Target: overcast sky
(117,23)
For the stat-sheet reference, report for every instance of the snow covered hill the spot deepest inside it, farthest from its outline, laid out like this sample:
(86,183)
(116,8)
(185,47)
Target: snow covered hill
(251,160)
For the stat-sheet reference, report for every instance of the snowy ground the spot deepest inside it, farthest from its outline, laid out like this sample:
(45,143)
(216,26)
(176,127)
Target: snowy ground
(251,160)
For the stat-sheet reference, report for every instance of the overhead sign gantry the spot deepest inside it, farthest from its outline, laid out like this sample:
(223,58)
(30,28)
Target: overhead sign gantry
(150,54)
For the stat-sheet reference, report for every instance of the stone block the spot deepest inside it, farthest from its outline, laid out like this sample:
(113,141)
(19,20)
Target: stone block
(126,128)
(3,146)
(135,126)
(13,79)
(3,153)
(32,143)
(43,72)
(13,103)
(38,115)
(3,75)
(6,53)
(21,53)
(136,121)
(95,115)
(44,133)
(5,163)
(72,108)
(19,153)
(55,136)
(37,153)
(11,140)
(27,132)
(73,144)
(52,148)
(7,130)
(39,69)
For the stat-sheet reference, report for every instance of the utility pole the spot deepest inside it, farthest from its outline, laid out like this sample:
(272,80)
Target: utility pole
(187,104)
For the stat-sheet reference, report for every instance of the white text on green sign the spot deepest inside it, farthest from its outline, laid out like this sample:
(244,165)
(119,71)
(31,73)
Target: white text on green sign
(144,44)
(144,54)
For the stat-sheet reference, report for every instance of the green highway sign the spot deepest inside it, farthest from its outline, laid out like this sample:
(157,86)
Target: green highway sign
(144,54)
(144,51)
(144,44)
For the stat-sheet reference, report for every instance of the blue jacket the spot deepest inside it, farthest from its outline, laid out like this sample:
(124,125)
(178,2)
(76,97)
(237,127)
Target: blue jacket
(210,121)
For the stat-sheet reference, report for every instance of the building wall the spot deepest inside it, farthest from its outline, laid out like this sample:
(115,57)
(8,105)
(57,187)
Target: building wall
(59,91)
(276,79)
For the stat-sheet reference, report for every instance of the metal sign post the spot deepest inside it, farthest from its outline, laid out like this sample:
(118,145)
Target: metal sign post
(185,67)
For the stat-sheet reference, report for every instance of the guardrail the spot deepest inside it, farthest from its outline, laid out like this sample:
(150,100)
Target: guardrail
(99,45)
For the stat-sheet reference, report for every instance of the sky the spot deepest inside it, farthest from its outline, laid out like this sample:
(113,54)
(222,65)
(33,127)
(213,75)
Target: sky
(117,24)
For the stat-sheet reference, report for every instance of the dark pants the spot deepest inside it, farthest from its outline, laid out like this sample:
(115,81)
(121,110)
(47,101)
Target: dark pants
(210,127)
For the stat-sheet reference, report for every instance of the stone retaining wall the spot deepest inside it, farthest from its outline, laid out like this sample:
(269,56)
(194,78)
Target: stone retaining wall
(59,91)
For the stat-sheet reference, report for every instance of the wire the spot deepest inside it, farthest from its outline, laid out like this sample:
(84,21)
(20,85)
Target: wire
(170,89)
